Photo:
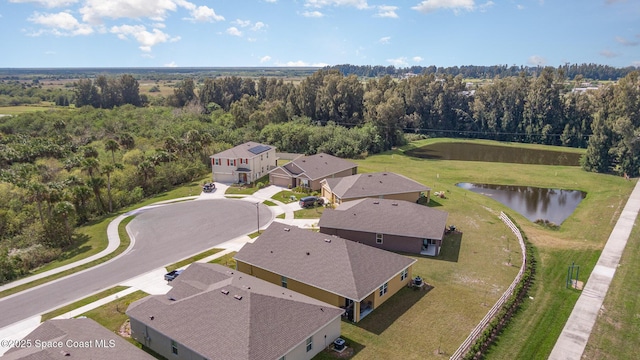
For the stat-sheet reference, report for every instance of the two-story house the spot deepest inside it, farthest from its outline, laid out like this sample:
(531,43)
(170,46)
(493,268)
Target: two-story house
(244,163)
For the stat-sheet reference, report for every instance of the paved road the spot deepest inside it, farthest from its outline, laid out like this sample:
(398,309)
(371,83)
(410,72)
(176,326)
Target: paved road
(163,235)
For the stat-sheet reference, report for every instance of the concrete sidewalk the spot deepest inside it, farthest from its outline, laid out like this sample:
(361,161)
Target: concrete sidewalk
(575,335)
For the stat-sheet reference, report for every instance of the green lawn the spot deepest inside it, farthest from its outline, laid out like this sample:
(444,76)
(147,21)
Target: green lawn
(83,302)
(309,213)
(269,203)
(112,315)
(226,260)
(285,196)
(192,259)
(21,109)
(477,273)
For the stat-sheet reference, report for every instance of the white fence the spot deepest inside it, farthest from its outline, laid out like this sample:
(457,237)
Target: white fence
(462,350)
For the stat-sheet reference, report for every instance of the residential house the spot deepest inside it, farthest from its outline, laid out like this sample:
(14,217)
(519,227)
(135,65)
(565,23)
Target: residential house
(216,313)
(244,163)
(343,273)
(308,171)
(387,224)
(74,339)
(382,185)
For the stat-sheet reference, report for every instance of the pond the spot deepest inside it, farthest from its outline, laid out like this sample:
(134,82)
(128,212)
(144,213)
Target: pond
(553,205)
(494,153)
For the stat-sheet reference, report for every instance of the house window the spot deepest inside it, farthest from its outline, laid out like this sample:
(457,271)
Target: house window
(304,182)
(216,161)
(309,344)
(404,274)
(383,289)
(174,347)
(261,157)
(284,281)
(379,238)
(283,358)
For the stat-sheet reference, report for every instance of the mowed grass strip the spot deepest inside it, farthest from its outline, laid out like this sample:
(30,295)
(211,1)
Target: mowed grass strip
(81,303)
(444,317)
(615,334)
(112,315)
(226,260)
(193,259)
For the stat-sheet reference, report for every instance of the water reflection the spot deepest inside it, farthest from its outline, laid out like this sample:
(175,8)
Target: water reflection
(554,205)
(493,153)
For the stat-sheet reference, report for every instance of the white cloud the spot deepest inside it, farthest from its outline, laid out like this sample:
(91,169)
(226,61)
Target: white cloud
(94,11)
(536,60)
(171,64)
(242,23)
(145,38)
(60,24)
(387,11)
(265,59)
(625,42)
(485,6)
(385,40)
(313,14)
(47,3)
(258,26)
(205,14)
(159,25)
(520,7)
(234,31)
(429,6)
(401,61)
(360,4)
(417,59)
(608,54)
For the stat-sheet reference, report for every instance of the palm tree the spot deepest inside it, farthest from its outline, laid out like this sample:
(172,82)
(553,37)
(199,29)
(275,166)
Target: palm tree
(81,194)
(64,210)
(107,170)
(38,192)
(95,183)
(147,170)
(113,146)
(90,165)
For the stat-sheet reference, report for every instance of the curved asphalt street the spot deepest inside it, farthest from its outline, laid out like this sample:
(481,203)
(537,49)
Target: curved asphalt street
(163,235)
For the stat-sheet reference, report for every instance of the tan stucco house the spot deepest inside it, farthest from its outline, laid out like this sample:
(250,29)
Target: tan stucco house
(382,185)
(343,273)
(393,225)
(308,171)
(244,163)
(216,313)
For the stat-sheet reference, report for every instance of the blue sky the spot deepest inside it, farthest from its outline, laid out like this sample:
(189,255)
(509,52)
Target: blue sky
(199,33)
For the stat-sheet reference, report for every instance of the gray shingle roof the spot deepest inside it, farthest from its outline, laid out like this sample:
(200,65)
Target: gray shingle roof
(81,330)
(340,266)
(373,184)
(240,151)
(318,166)
(265,323)
(382,216)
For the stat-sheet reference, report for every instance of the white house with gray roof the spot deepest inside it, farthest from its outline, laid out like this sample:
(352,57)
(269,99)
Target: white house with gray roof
(393,225)
(217,313)
(244,163)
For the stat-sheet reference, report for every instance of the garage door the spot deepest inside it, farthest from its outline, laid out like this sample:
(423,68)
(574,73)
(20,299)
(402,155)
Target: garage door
(279,180)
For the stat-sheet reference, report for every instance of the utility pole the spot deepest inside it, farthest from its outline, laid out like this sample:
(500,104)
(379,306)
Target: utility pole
(258,215)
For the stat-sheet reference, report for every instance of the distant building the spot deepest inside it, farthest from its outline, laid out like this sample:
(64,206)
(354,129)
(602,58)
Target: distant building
(217,313)
(387,224)
(244,163)
(75,339)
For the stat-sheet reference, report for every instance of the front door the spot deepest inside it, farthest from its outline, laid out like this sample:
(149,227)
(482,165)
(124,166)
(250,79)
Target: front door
(242,178)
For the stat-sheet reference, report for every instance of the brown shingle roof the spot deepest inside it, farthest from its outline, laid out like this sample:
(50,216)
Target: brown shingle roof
(373,184)
(240,151)
(330,263)
(265,323)
(317,166)
(382,216)
(81,330)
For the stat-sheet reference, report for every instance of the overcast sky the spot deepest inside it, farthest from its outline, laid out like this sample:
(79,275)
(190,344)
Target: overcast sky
(157,33)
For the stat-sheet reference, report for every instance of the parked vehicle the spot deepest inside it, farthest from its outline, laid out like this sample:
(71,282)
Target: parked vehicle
(171,275)
(209,187)
(309,201)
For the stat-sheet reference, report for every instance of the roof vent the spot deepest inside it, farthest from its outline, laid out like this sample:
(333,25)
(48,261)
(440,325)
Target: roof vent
(376,202)
(65,353)
(172,298)
(237,297)
(327,240)
(380,181)
(370,175)
(303,160)
(394,204)
(384,174)
(308,253)
(225,291)
(151,317)
(287,229)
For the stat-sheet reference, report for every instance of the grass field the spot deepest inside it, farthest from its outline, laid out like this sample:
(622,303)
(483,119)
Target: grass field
(21,109)
(443,318)
(80,303)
